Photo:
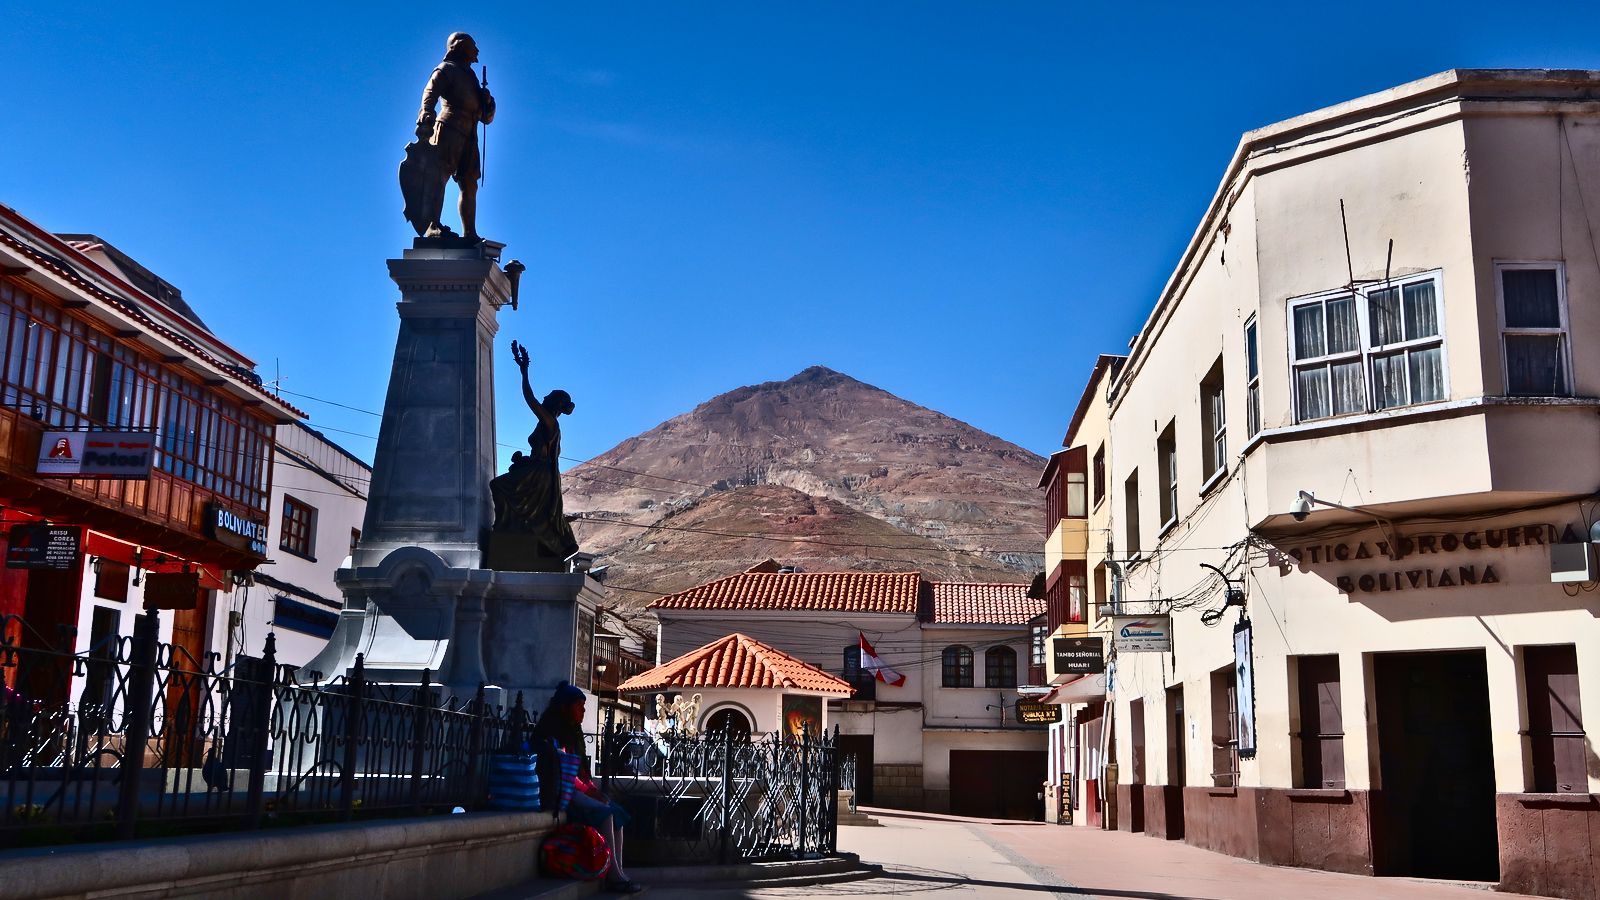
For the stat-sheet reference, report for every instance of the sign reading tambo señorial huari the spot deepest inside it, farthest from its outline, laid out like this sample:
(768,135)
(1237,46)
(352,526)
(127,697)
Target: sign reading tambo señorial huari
(1079,656)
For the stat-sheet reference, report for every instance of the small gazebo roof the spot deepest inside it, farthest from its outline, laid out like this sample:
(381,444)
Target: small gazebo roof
(737,661)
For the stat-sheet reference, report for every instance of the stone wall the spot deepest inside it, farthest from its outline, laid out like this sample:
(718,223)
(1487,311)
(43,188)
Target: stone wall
(1550,844)
(898,785)
(435,858)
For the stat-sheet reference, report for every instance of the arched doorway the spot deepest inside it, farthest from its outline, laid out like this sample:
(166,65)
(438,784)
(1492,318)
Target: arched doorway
(729,720)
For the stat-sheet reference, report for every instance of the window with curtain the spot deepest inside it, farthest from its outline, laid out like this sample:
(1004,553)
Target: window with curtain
(1077,495)
(957,667)
(1534,337)
(1376,348)
(1326,346)
(1000,667)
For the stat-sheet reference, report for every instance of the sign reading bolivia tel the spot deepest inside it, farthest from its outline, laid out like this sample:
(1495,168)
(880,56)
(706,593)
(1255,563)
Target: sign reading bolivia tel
(96,454)
(1141,634)
(1079,656)
(1032,712)
(228,527)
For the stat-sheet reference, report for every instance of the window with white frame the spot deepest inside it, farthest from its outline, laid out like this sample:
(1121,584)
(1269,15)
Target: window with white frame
(1377,348)
(1533,329)
(1252,380)
(1213,424)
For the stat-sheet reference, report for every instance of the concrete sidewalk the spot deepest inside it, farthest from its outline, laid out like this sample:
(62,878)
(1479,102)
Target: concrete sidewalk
(977,859)
(1080,862)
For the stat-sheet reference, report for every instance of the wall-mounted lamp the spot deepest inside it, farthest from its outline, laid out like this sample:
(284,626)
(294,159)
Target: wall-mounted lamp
(1306,501)
(514,270)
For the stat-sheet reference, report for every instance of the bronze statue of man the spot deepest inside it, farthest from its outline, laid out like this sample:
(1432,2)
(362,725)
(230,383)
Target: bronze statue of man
(447,143)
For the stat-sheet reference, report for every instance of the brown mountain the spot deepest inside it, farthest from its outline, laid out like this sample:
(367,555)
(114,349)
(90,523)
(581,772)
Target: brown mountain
(729,531)
(927,491)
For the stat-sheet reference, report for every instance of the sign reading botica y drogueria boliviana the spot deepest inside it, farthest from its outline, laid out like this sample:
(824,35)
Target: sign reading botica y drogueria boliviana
(1427,560)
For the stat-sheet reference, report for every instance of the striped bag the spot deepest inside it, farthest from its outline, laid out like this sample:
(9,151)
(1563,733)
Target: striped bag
(569,774)
(514,782)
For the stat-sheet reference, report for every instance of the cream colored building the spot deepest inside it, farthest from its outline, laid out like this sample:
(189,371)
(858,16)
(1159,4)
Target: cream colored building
(946,738)
(1391,305)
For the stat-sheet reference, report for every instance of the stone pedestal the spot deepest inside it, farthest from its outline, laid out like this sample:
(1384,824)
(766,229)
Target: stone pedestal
(417,594)
(436,453)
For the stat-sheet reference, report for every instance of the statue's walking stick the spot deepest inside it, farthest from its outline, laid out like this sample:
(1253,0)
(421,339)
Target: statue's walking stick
(483,153)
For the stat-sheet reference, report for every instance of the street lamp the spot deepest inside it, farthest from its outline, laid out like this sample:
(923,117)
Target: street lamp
(1306,501)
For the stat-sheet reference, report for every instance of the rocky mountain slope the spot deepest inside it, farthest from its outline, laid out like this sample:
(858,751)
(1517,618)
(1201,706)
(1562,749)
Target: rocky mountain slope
(887,484)
(729,531)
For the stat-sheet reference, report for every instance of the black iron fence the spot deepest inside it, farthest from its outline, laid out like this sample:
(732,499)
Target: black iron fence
(725,796)
(134,737)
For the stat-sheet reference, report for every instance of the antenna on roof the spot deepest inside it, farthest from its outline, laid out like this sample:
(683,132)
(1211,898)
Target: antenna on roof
(1344,223)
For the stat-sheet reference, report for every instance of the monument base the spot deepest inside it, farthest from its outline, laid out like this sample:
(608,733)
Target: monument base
(512,632)
(518,553)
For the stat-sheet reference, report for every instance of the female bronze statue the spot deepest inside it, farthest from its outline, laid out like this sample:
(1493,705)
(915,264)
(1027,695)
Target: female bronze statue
(527,499)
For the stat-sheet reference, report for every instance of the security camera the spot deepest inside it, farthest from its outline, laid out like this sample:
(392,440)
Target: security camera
(1301,507)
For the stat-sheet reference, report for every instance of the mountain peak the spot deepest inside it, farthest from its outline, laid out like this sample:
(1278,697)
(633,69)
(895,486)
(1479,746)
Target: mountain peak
(821,375)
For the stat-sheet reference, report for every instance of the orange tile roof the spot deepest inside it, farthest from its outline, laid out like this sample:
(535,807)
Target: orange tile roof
(878,592)
(737,661)
(968,603)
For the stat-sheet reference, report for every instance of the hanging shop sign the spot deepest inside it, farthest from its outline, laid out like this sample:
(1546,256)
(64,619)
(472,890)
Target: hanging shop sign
(1079,656)
(40,546)
(1141,634)
(228,527)
(1244,670)
(124,455)
(171,590)
(1032,712)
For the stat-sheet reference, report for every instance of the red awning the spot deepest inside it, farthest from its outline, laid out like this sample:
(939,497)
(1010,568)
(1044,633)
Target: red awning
(150,559)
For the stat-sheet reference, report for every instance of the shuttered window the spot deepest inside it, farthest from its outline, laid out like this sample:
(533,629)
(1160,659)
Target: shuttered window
(1321,731)
(1555,720)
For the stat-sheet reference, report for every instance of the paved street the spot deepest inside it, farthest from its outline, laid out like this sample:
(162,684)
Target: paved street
(975,858)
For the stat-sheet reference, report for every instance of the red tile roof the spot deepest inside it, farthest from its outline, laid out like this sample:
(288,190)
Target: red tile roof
(967,603)
(878,592)
(737,661)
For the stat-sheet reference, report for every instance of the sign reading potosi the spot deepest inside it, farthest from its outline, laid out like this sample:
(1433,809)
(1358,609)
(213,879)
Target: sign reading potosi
(96,454)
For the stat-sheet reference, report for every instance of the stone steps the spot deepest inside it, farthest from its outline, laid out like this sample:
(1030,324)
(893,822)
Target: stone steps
(790,873)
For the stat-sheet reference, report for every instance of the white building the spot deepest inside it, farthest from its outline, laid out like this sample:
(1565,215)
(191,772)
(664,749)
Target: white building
(319,495)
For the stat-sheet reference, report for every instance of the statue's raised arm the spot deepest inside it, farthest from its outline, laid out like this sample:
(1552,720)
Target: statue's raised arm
(527,499)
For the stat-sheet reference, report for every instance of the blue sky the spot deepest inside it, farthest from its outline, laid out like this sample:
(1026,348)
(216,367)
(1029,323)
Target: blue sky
(961,203)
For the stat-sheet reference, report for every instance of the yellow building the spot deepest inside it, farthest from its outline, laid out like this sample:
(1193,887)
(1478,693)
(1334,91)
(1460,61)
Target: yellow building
(1079,576)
